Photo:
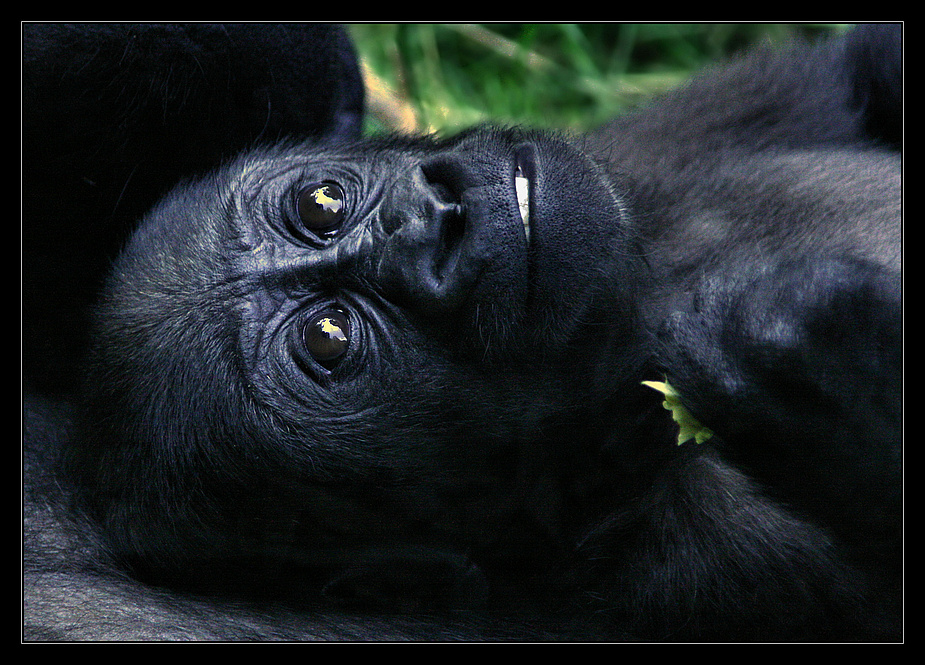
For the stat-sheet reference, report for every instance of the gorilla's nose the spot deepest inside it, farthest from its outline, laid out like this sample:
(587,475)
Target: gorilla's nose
(427,263)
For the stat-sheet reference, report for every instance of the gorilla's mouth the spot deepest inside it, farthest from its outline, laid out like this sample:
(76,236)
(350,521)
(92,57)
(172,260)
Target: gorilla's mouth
(523,172)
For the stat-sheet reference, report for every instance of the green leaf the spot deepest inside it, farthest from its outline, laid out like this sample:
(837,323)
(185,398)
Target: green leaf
(688,426)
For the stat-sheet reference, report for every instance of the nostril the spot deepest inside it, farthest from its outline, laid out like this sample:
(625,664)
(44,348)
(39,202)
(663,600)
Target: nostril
(442,192)
(447,177)
(439,178)
(452,232)
(448,215)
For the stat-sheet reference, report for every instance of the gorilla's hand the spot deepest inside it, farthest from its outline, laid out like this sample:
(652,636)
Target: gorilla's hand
(795,364)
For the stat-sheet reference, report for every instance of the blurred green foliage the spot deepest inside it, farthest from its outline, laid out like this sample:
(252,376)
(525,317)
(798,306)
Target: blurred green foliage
(443,77)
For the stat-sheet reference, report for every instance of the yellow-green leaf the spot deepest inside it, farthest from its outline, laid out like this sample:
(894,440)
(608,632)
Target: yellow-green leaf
(688,426)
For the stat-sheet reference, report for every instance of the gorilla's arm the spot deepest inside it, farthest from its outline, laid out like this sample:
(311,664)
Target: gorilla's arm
(798,369)
(790,347)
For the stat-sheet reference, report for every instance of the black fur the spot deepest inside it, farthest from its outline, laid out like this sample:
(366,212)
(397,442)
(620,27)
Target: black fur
(478,459)
(114,115)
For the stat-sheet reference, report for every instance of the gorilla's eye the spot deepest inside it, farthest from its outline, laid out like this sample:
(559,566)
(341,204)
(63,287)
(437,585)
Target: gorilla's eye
(326,337)
(321,207)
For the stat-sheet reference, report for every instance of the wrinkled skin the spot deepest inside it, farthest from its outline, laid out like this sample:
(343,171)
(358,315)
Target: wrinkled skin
(349,376)
(464,344)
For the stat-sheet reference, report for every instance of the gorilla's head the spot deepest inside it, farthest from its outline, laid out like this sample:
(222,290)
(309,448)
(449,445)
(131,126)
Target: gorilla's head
(320,349)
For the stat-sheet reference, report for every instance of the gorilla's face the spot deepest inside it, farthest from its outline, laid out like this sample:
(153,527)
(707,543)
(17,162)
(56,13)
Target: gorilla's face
(405,311)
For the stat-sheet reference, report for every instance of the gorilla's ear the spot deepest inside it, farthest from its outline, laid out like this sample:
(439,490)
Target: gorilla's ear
(115,115)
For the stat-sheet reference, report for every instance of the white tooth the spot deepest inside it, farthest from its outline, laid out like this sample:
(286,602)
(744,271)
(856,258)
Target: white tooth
(522,185)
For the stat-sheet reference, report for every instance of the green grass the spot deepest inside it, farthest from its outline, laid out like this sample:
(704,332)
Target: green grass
(444,77)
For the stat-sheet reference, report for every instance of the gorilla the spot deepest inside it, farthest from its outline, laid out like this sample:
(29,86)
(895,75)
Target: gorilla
(393,388)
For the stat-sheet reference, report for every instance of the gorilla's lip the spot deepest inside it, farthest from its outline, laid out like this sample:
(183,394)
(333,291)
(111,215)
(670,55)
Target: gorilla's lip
(523,180)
